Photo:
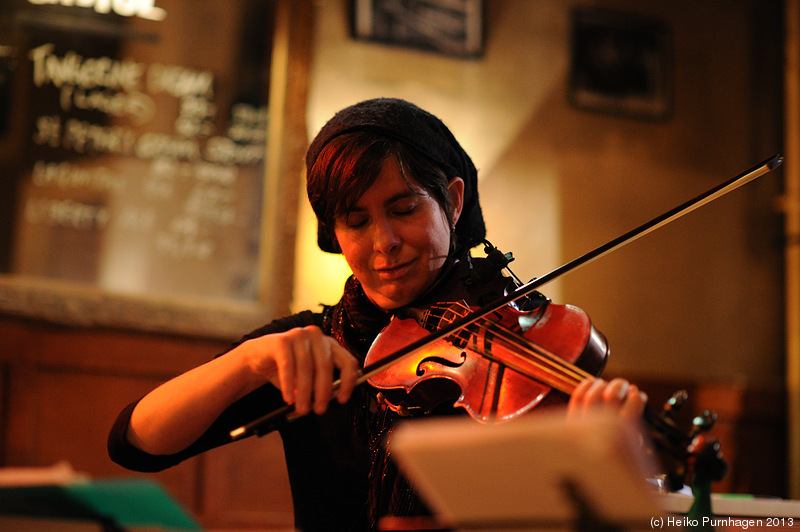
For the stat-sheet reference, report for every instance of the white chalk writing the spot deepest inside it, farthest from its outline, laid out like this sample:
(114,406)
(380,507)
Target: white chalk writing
(88,73)
(136,105)
(189,190)
(65,175)
(179,81)
(67,213)
(127,8)
(85,137)
(152,145)
(225,151)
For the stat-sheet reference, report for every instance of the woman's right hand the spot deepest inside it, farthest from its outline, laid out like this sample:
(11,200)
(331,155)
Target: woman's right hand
(303,363)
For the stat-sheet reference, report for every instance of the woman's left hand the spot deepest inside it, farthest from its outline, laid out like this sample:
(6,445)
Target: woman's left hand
(616,393)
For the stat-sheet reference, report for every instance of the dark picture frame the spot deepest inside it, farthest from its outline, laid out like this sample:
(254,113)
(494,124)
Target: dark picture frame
(445,27)
(620,64)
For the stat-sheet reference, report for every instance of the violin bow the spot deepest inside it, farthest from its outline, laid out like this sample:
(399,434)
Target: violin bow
(282,415)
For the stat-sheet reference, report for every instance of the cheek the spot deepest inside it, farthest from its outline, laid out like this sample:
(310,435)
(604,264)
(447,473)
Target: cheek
(439,235)
(357,265)
(352,252)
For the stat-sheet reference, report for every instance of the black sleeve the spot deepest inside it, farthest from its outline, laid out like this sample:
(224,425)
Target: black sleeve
(256,404)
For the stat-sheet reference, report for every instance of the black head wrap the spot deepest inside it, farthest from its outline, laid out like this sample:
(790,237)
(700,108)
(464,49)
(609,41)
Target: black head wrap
(404,121)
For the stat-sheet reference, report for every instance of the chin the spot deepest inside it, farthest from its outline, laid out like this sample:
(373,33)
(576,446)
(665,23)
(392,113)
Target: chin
(387,305)
(392,297)
(390,302)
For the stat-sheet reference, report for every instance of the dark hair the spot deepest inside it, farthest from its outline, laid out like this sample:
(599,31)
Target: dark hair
(349,164)
(415,129)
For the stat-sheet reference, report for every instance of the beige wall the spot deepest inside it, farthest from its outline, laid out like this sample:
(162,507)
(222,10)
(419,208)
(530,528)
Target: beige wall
(701,299)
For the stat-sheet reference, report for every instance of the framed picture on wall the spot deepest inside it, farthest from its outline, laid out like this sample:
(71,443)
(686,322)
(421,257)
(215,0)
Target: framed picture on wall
(452,27)
(620,64)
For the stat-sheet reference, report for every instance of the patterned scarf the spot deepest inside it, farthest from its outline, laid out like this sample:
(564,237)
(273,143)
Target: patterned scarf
(354,322)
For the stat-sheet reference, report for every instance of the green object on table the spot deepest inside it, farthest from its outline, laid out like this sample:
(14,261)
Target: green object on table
(117,503)
(699,514)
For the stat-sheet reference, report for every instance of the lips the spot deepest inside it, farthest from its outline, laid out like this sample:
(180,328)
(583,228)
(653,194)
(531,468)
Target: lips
(390,273)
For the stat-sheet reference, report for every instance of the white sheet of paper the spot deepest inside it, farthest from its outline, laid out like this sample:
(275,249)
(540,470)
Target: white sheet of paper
(519,471)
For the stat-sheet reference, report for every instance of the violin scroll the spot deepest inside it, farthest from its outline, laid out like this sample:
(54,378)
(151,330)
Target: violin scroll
(697,457)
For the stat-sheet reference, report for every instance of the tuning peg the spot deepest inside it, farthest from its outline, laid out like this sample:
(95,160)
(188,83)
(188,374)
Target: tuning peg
(674,403)
(703,422)
(707,459)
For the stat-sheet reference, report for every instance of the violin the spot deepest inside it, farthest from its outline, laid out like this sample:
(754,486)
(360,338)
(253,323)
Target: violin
(497,368)
(509,361)
(503,358)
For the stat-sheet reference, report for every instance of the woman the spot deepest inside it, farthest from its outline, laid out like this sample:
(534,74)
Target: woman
(395,193)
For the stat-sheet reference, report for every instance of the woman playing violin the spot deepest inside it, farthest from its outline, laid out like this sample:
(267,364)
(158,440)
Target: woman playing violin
(397,196)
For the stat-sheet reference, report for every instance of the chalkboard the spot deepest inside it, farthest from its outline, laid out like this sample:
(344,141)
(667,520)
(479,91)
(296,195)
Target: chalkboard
(134,145)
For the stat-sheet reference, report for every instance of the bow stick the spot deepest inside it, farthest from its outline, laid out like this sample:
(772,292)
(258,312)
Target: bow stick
(283,415)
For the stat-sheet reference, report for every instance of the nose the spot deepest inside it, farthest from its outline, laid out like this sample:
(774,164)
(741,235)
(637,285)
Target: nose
(385,238)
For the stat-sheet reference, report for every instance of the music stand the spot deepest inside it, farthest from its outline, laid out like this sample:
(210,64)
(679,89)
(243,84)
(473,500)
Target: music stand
(537,472)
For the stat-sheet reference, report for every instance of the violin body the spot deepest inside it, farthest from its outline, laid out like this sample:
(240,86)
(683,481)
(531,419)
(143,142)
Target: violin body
(496,370)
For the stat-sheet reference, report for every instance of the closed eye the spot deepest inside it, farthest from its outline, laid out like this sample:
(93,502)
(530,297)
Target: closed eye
(405,212)
(401,205)
(355,221)
(405,206)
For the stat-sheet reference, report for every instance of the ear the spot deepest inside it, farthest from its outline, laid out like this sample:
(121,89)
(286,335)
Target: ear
(456,189)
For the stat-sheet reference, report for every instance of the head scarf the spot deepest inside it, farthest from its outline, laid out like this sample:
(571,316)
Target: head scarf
(404,121)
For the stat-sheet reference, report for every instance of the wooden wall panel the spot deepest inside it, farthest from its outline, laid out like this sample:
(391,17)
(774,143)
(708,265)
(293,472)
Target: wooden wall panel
(61,389)
(58,415)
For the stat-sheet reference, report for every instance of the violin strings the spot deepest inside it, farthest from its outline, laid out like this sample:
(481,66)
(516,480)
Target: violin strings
(563,375)
(555,371)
